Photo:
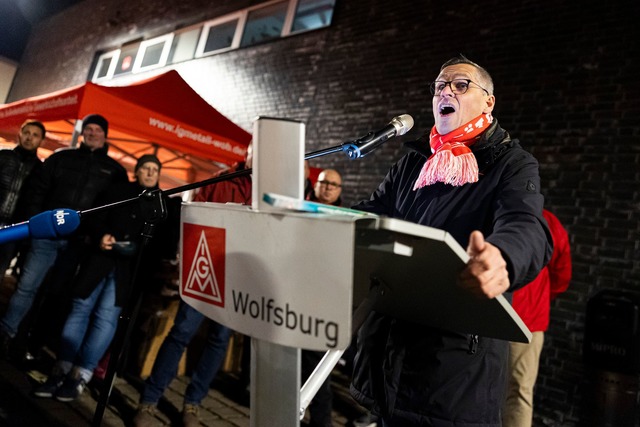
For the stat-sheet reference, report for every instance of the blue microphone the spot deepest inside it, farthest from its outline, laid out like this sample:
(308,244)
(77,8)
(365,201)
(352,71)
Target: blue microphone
(46,225)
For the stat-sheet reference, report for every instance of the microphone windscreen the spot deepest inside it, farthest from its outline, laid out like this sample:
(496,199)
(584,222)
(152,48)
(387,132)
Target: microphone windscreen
(406,123)
(55,223)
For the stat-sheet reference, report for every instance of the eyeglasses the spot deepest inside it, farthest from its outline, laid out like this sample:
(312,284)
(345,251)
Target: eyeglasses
(458,86)
(330,184)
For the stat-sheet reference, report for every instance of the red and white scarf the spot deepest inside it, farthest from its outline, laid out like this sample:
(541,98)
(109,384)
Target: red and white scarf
(452,161)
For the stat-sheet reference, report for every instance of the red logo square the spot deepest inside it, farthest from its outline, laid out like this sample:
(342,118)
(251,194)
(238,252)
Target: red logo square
(203,263)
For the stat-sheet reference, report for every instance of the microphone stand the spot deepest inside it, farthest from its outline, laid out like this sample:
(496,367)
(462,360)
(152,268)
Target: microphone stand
(154,211)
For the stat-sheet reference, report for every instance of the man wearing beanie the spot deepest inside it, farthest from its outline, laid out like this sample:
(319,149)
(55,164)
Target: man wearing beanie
(103,283)
(69,178)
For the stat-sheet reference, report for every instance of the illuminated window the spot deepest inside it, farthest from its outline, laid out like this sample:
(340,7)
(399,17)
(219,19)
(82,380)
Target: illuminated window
(313,14)
(126,59)
(184,45)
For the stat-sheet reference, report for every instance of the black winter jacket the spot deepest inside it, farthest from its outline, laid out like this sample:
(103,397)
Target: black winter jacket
(421,376)
(16,166)
(73,178)
(126,223)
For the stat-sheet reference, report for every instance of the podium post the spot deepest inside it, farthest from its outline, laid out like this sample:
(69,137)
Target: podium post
(278,155)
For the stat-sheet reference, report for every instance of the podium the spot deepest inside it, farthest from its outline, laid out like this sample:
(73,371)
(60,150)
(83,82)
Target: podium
(291,280)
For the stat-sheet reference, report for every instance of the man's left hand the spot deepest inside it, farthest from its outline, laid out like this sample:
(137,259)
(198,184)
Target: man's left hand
(486,271)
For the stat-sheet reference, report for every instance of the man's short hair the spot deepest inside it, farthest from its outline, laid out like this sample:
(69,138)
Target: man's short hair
(36,123)
(487,81)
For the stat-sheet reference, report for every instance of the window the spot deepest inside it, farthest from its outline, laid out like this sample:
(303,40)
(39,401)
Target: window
(126,59)
(184,45)
(220,34)
(313,14)
(106,65)
(153,53)
(264,23)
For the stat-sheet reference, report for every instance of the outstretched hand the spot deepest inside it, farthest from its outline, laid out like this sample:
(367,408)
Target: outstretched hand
(486,271)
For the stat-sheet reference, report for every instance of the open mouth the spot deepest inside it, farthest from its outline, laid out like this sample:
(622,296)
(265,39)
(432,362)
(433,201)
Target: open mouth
(445,110)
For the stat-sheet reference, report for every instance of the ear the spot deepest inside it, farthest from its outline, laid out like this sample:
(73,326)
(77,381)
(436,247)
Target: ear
(490,102)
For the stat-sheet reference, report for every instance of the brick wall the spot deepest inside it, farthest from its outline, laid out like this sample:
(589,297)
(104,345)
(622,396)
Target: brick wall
(565,80)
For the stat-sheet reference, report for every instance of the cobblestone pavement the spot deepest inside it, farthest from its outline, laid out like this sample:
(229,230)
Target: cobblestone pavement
(219,409)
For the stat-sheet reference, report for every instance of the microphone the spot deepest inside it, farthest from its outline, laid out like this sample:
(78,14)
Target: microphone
(363,146)
(46,225)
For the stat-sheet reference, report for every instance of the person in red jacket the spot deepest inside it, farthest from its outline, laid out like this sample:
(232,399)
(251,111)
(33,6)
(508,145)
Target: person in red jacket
(533,303)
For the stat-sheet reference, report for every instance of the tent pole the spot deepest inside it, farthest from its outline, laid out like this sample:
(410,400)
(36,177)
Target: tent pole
(77,130)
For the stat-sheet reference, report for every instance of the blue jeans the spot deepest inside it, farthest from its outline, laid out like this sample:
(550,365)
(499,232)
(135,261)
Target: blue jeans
(40,258)
(90,327)
(165,367)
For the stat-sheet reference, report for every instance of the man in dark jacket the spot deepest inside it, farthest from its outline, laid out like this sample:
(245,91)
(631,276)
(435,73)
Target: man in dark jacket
(469,178)
(103,283)
(16,167)
(70,178)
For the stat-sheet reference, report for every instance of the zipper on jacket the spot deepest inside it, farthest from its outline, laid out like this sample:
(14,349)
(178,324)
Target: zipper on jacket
(473,344)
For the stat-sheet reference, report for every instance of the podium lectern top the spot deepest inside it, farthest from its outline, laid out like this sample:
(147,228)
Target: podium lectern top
(419,267)
(294,278)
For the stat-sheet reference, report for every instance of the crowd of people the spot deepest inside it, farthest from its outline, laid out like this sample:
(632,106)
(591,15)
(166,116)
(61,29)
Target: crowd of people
(88,274)
(466,176)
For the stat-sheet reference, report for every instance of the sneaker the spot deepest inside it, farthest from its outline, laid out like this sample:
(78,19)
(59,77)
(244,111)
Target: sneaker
(50,386)
(190,415)
(366,420)
(71,388)
(145,416)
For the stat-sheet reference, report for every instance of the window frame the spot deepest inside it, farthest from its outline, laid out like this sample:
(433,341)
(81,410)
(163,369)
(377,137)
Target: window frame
(166,39)
(240,16)
(115,56)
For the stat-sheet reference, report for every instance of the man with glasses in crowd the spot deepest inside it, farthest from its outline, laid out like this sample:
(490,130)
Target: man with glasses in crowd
(468,177)
(327,188)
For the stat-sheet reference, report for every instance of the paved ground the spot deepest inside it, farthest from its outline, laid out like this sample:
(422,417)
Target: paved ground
(223,407)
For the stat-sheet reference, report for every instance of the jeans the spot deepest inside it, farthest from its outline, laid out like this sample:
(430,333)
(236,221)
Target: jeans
(41,256)
(165,367)
(90,327)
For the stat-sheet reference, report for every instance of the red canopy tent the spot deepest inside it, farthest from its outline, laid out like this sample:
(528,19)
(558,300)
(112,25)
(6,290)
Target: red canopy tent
(161,115)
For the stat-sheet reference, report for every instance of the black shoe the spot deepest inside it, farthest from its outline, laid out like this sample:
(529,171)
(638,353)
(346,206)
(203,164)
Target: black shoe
(50,386)
(71,388)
